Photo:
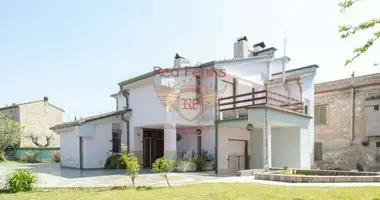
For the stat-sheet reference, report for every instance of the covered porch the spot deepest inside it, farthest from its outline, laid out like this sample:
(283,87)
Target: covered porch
(276,128)
(175,141)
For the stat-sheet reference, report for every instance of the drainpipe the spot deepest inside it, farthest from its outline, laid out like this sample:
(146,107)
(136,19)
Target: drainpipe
(127,126)
(352,107)
(126,94)
(216,129)
(284,78)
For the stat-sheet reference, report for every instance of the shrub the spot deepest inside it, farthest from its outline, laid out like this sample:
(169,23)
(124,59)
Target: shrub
(31,157)
(115,161)
(163,165)
(20,180)
(199,161)
(132,166)
(56,157)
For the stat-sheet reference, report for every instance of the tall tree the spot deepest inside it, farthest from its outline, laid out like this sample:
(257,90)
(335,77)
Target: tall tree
(348,30)
(10,133)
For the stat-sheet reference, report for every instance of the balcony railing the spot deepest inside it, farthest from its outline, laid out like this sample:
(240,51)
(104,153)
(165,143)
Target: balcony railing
(261,97)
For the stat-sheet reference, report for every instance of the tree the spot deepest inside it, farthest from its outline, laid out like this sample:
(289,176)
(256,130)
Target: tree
(132,167)
(348,30)
(10,133)
(163,165)
(35,141)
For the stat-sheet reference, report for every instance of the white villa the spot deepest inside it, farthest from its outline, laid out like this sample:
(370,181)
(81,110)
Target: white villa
(247,111)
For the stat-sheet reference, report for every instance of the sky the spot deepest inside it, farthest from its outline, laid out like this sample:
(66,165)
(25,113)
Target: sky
(77,51)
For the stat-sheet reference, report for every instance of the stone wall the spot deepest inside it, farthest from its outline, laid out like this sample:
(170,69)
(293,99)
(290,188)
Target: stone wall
(340,150)
(37,118)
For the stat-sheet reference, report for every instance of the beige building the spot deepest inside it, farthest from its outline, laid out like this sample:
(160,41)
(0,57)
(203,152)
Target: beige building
(36,117)
(347,123)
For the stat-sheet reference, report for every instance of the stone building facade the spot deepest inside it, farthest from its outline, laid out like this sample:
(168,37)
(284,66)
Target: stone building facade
(36,118)
(347,119)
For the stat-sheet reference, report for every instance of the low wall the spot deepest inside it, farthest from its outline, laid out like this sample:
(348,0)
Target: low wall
(323,176)
(43,154)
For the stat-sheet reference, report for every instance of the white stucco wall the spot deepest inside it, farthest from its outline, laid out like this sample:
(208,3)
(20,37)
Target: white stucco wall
(96,141)
(121,101)
(257,149)
(69,147)
(286,147)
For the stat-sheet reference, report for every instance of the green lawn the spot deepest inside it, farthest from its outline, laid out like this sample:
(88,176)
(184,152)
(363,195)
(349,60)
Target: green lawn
(10,163)
(204,191)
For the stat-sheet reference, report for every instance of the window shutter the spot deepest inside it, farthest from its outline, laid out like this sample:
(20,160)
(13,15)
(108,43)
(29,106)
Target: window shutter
(316,115)
(323,114)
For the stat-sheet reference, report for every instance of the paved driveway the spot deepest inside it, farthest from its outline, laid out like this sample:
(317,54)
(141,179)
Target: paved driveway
(51,175)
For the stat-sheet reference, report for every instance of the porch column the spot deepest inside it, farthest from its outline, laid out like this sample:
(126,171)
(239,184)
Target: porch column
(267,143)
(170,141)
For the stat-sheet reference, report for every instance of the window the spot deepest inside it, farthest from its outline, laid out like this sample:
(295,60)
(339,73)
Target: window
(116,141)
(320,115)
(306,109)
(376,107)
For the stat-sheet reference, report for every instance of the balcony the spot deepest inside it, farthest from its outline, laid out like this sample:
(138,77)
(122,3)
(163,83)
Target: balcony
(234,107)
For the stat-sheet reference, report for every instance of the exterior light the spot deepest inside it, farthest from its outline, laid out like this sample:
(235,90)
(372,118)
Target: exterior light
(249,127)
(179,137)
(199,131)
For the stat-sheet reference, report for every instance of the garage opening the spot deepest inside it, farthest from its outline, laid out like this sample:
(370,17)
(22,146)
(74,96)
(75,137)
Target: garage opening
(238,158)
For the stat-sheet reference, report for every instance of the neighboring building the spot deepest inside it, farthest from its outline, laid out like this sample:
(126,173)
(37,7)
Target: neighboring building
(347,123)
(264,117)
(36,117)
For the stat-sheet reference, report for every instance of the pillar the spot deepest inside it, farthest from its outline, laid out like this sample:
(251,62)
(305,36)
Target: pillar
(267,144)
(170,141)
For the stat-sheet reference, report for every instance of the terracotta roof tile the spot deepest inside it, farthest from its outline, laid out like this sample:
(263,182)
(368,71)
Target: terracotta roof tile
(348,82)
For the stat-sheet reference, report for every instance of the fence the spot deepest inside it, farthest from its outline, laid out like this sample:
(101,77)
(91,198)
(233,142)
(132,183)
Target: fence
(43,154)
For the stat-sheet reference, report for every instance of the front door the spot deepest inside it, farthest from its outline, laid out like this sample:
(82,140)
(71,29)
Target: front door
(153,146)
(147,152)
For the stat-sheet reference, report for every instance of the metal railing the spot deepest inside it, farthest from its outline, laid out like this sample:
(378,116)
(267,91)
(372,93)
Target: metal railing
(261,97)
(238,162)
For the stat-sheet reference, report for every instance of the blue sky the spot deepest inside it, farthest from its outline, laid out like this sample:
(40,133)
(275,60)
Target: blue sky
(75,52)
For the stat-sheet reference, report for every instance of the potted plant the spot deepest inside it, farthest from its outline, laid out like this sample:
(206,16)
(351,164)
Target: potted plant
(207,161)
(187,165)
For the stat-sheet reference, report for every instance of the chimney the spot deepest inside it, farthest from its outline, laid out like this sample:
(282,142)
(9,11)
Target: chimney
(241,47)
(180,61)
(46,99)
(258,47)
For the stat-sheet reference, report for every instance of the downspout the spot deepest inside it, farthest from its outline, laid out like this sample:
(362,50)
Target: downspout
(216,128)
(127,126)
(284,78)
(126,94)
(352,107)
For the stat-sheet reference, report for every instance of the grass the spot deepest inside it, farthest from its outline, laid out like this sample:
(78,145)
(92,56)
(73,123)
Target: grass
(10,163)
(204,191)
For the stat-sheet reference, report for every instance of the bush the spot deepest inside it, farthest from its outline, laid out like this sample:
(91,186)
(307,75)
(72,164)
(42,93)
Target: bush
(163,166)
(115,161)
(20,180)
(31,157)
(56,157)
(199,161)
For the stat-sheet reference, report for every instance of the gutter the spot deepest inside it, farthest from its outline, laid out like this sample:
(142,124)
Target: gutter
(352,120)
(216,129)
